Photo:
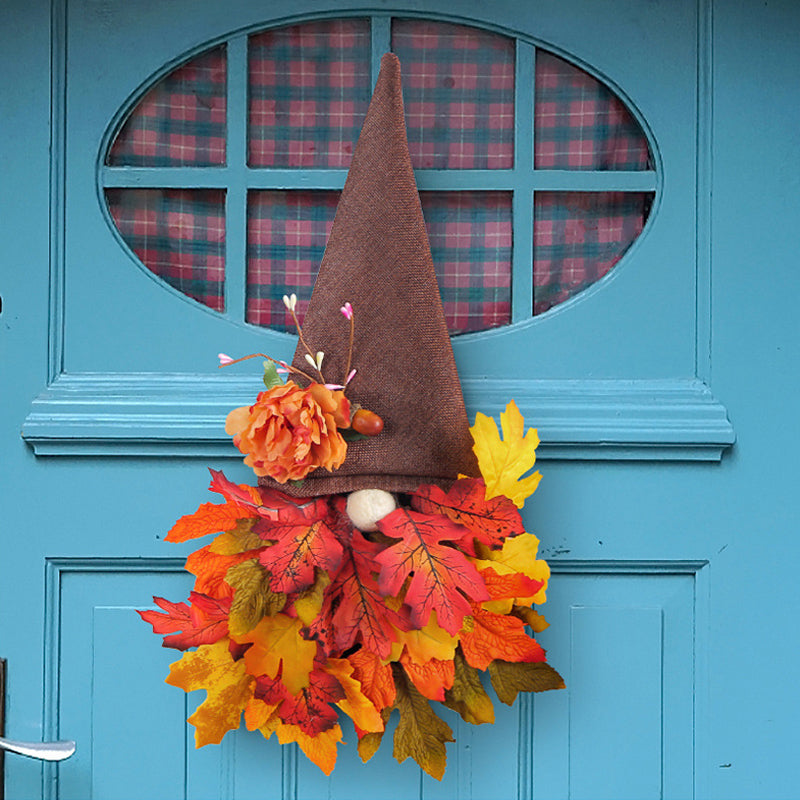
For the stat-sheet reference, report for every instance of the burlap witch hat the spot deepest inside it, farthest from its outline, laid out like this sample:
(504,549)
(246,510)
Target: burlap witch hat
(378,259)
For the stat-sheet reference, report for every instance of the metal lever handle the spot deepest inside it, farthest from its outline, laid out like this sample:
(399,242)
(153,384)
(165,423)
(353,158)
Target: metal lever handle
(45,751)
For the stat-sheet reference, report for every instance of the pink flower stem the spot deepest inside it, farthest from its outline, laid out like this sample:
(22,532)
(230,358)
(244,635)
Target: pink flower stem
(350,349)
(283,364)
(305,344)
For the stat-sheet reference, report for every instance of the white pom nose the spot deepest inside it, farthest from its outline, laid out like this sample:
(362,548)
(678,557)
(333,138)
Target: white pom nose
(366,507)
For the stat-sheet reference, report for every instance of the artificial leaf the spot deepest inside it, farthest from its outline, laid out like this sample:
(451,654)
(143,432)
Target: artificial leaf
(361,611)
(509,678)
(430,641)
(268,694)
(310,708)
(205,621)
(432,678)
(490,521)
(504,462)
(253,599)
(530,616)
(209,518)
(374,676)
(277,644)
(308,604)
(440,573)
(246,497)
(227,684)
(510,584)
(320,749)
(271,378)
(302,541)
(238,540)
(420,734)
(497,636)
(355,703)
(258,713)
(467,695)
(369,742)
(518,555)
(211,568)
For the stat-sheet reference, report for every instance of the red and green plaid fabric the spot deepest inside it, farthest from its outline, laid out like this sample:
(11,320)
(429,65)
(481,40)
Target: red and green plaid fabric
(309,89)
(470,235)
(579,123)
(458,92)
(180,121)
(578,237)
(178,235)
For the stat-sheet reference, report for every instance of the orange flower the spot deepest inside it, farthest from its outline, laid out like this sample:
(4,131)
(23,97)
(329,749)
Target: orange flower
(290,431)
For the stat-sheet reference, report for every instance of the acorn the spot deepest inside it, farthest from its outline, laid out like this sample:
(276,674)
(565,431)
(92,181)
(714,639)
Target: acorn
(366,422)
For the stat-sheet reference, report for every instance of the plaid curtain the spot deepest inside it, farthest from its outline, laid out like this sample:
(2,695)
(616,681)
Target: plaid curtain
(180,121)
(178,235)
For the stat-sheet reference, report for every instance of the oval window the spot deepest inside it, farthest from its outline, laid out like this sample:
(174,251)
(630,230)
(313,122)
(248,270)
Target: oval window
(223,179)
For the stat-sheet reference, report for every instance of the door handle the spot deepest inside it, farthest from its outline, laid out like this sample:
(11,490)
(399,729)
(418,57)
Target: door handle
(44,751)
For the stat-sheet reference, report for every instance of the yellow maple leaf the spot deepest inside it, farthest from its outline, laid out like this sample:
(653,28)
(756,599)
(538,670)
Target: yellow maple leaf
(277,639)
(504,462)
(424,644)
(518,554)
(355,703)
(321,749)
(228,689)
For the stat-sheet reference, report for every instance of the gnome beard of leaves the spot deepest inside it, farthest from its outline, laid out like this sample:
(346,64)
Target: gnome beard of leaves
(297,616)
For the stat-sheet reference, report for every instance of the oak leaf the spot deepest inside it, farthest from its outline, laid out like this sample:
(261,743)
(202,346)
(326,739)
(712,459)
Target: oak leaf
(504,462)
(228,687)
(467,695)
(420,734)
(204,621)
(497,636)
(252,599)
(277,644)
(302,540)
(440,573)
(490,521)
(508,679)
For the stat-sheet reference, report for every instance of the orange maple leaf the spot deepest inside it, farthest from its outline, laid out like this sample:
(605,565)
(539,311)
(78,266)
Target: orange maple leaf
(211,568)
(497,636)
(320,749)
(209,518)
(356,704)
(375,677)
(432,678)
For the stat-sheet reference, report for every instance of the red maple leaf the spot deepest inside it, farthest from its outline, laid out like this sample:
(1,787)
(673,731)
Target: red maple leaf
(205,621)
(440,573)
(311,708)
(361,610)
(302,539)
(489,521)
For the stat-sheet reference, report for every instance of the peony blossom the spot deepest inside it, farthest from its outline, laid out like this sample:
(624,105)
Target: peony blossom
(290,431)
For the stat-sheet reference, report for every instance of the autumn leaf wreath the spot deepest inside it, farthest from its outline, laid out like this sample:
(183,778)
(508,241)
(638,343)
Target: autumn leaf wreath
(298,615)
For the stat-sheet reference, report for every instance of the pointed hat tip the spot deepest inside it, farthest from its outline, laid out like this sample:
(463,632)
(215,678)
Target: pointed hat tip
(390,66)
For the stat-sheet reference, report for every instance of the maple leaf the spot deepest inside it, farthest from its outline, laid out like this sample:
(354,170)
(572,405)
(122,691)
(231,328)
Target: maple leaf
(308,603)
(355,703)
(310,708)
(210,569)
(374,676)
(320,749)
(508,679)
(467,695)
(490,521)
(504,462)
(432,678)
(420,734)
(205,621)
(423,644)
(253,599)
(510,584)
(209,518)
(440,573)
(369,742)
(302,540)
(497,636)
(518,555)
(246,497)
(228,689)
(361,611)
(277,644)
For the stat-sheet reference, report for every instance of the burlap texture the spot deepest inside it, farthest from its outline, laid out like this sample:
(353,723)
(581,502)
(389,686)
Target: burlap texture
(378,258)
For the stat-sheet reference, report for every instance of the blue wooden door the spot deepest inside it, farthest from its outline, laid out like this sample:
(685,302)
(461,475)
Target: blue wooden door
(661,609)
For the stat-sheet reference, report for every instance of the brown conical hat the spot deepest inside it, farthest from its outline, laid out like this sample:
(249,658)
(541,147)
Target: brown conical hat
(378,258)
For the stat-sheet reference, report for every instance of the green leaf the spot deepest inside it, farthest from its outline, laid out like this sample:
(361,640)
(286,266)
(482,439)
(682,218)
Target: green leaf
(510,678)
(253,599)
(467,695)
(271,377)
(349,435)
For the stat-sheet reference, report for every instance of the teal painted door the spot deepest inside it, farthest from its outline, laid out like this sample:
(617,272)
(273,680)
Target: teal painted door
(672,549)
